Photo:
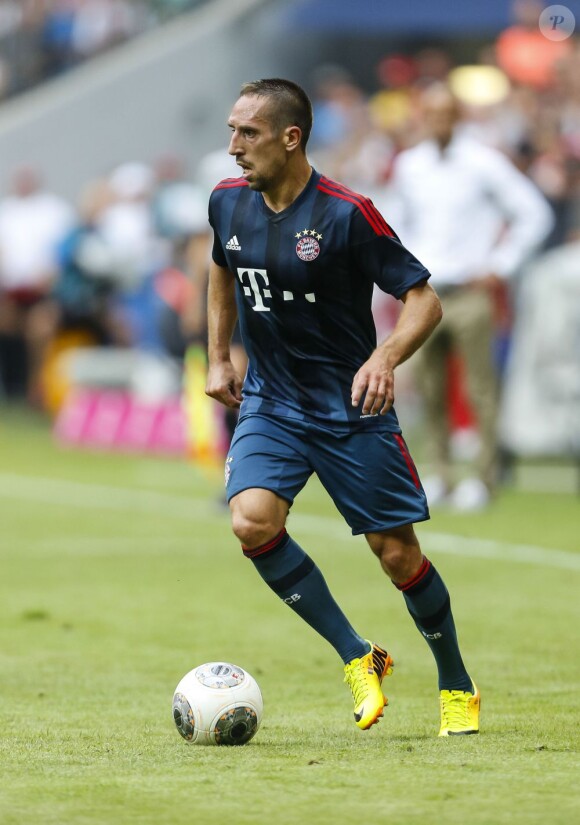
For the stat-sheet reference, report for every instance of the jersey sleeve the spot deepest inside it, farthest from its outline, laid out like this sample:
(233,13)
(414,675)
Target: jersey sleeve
(217,253)
(379,254)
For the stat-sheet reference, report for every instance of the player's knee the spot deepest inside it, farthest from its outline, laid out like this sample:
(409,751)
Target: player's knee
(397,563)
(257,517)
(398,552)
(253,531)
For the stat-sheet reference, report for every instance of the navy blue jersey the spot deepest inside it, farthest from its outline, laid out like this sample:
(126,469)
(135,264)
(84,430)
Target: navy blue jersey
(304,282)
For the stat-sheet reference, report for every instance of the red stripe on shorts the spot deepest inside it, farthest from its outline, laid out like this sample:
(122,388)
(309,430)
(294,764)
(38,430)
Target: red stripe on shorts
(408,460)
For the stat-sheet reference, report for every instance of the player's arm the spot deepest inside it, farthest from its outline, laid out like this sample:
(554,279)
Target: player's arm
(375,380)
(223,382)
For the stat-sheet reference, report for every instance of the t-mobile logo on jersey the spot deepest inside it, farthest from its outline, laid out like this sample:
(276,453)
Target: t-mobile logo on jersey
(254,287)
(260,291)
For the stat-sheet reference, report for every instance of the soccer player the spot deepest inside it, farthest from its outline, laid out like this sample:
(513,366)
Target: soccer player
(295,257)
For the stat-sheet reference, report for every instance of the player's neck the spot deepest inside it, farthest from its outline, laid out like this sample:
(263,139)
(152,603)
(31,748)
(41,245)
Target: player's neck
(285,193)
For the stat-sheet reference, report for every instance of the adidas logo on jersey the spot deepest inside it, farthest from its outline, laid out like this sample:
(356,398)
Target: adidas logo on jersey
(234,244)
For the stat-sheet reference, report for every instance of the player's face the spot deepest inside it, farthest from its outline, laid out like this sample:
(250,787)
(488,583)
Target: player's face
(259,150)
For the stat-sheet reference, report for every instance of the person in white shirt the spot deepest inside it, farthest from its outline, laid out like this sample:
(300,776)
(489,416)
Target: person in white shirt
(33,222)
(472,219)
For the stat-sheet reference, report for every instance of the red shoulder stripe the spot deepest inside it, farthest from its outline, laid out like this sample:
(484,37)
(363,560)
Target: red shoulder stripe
(366,206)
(343,196)
(231,183)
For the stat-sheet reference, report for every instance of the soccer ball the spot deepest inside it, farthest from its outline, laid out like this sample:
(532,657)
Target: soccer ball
(217,704)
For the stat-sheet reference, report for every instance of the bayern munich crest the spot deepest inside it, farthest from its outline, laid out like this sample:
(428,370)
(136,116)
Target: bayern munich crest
(308,248)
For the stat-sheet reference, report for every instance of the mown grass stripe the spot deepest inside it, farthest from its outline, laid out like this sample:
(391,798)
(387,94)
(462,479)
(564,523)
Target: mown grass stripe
(66,493)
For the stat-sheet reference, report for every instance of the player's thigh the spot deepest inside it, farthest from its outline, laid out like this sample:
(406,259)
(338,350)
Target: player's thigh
(266,454)
(372,479)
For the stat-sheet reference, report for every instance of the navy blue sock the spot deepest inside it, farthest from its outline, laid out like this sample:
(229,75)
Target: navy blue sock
(295,578)
(428,603)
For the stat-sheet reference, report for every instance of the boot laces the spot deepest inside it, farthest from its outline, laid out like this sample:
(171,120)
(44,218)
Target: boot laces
(454,708)
(355,677)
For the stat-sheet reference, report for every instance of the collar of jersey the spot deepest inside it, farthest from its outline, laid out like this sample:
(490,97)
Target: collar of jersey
(295,205)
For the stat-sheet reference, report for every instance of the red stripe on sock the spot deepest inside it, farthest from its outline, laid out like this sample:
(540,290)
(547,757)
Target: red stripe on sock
(251,553)
(420,574)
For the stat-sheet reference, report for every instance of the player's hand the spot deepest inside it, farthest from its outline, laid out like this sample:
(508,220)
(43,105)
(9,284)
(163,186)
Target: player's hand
(224,384)
(376,381)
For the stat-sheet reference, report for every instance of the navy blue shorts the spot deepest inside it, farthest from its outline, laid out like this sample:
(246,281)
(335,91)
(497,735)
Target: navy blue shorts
(370,476)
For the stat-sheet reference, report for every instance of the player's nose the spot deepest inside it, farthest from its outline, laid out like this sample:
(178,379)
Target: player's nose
(234,148)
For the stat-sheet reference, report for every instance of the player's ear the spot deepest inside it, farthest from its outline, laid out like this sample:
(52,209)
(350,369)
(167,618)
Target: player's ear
(292,137)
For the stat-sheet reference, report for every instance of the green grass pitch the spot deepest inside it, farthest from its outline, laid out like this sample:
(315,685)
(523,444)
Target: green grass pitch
(119,574)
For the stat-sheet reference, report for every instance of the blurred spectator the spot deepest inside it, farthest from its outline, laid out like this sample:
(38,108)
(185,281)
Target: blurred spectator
(214,167)
(21,44)
(100,24)
(341,118)
(83,309)
(32,224)
(180,218)
(57,35)
(179,206)
(524,53)
(128,229)
(336,100)
(473,219)
(86,290)
(127,223)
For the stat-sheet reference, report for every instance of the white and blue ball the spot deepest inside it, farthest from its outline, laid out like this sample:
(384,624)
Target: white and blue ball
(217,704)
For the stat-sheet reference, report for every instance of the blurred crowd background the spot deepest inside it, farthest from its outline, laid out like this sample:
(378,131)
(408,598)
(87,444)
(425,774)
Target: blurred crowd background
(40,39)
(123,264)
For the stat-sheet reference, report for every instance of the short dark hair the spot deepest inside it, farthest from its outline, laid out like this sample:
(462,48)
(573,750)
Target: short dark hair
(291,105)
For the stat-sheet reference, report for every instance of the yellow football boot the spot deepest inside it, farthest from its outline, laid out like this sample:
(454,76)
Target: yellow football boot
(364,677)
(459,712)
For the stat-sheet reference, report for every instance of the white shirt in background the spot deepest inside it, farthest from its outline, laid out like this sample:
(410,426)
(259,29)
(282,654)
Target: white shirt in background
(31,229)
(466,211)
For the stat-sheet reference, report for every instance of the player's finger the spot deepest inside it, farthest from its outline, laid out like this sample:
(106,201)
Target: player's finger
(359,385)
(388,402)
(222,394)
(383,397)
(377,403)
(374,398)
(380,398)
(370,397)
(228,397)
(236,391)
